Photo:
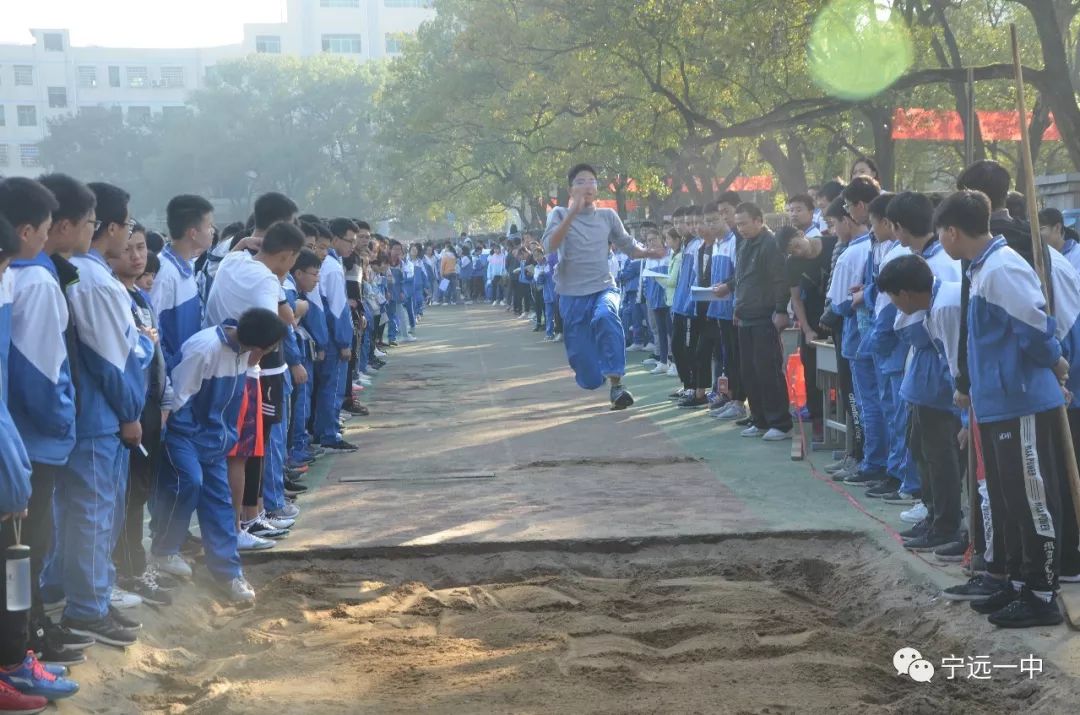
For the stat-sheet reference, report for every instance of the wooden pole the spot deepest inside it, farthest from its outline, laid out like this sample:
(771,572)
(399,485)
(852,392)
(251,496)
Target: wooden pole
(1065,436)
(969,135)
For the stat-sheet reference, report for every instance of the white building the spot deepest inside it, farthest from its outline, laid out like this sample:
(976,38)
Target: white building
(50,77)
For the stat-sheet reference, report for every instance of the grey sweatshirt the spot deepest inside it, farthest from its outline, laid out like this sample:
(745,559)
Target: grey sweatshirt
(583,255)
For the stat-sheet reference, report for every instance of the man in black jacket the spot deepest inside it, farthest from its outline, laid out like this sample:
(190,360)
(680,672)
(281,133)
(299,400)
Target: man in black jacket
(761,297)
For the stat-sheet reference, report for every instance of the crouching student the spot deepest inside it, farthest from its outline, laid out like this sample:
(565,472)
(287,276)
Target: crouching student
(1017,369)
(208,385)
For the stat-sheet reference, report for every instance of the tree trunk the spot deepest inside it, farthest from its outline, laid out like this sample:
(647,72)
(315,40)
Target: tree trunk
(1040,120)
(881,124)
(1057,84)
(789,167)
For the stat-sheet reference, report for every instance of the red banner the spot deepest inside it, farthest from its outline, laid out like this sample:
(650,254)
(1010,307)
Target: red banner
(943,125)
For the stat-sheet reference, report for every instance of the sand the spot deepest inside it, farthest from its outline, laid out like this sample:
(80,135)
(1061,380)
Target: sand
(764,625)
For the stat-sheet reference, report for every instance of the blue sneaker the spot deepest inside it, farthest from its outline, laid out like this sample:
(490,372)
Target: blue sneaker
(60,671)
(32,678)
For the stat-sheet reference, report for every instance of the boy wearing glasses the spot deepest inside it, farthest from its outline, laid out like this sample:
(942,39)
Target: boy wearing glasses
(112,390)
(589,302)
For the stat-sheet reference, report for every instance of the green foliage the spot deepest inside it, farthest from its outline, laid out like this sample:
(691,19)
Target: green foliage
(302,126)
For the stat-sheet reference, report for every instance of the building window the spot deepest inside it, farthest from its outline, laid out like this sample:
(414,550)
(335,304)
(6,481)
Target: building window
(27,115)
(138,115)
(172,77)
(54,42)
(57,97)
(268,44)
(87,76)
(394,43)
(114,76)
(341,44)
(138,77)
(5,158)
(24,75)
(407,3)
(340,3)
(28,154)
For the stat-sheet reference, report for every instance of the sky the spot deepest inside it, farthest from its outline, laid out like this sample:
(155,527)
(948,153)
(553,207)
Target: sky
(137,23)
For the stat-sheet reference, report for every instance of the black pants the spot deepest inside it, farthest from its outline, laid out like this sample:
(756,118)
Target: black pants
(729,359)
(37,528)
(704,336)
(932,441)
(1070,533)
(538,306)
(681,349)
(517,292)
(129,556)
(14,625)
(526,297)
(762,361)
(846,394)
(1023,479)
(558,316)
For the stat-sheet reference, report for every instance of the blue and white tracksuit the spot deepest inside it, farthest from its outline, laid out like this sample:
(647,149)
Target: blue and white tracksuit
(88,503)
(850,271)
(545,279)
(175,296)
(1071,251)
(14,461)
(41,395)
(277,441)
(314,325)
(332,376)
(889,353)
(208,387)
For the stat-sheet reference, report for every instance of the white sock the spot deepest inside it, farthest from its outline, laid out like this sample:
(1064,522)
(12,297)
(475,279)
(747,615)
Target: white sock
(1044,596)
(1018,586)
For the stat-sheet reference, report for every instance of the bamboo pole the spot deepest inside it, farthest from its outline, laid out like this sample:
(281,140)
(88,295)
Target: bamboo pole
(1065,436)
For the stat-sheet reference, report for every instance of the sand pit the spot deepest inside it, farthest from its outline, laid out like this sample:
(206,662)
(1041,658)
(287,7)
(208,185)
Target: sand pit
(765,625)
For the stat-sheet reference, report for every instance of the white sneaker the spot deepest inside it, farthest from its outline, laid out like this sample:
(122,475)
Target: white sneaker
(468,302)
(239,590)
(650,362)
(649,347)
(672,370)
(494,302)
(250,542)
(289,511)
(119,598)
(558,337)
(660,369)
(731,411)
(379,353)
(174,565)
(915,514)
(635,348)
(363,380)
(751,431)
(775,435)
(411,338)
